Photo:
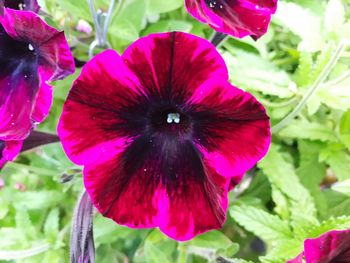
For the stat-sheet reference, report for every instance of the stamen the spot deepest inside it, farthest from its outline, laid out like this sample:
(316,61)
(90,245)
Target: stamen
(215,4)
(173,117)
(30,47)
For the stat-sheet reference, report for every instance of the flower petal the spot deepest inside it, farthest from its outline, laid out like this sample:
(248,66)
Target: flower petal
(9,151)
(194,206)
(148,184)
(130,200)
(236,18)
(175,63)
(89,123)
(49,44)
(330,247)
(16,104)
(43,103)
(231,126)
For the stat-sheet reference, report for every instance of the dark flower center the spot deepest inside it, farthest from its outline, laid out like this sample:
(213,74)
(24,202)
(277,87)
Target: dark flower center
(169,119)
(15,4)
(2,147)
(18,60)
(215,4)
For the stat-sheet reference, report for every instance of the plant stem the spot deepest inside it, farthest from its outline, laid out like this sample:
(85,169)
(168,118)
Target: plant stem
(22,254)
(218,38)
(314,87)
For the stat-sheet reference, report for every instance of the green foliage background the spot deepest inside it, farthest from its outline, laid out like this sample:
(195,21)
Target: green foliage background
(300,190)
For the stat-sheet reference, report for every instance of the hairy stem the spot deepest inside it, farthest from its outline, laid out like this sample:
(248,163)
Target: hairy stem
(314,87)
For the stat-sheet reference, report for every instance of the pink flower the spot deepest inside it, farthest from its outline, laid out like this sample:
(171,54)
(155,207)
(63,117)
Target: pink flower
(161,133)
(9,150)
(30,5)
(333,246)
(31,54)
(238,18)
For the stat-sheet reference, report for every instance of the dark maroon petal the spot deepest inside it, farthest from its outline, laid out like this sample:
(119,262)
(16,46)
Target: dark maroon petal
(195,205)
(29,5)
(88,123)
(238,18)
(231,126)
(333,246)
(146,185)
(175,63)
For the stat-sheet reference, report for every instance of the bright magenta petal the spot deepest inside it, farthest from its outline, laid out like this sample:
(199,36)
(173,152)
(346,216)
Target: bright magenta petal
(9,151)
(16,108)
(130,200)
(333,246)
(235,132)
(236,18)
(174,61)
(88,125)
(193,206)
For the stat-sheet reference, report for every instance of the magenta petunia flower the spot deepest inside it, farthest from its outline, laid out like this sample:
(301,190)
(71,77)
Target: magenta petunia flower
(161,133)
(333,246)
(31,54)
(238,18)
(30,5)
(9,151)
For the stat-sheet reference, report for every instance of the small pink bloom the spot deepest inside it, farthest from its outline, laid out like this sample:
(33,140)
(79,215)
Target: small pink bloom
(161,133)
(84,27)
(31,54)
(238,18)
(9,151)
(21,187)
(333,246)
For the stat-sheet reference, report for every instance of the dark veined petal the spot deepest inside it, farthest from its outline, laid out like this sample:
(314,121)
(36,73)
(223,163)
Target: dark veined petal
(175,63)
(238,18)
(231,126)
(9,151)
(88,125)
(143,186)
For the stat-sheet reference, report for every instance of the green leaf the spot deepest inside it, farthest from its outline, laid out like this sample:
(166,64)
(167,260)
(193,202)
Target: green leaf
(24,223)
(283,251)
(37,200)
(263,77)
(342,187)
(303,73)
(307,26)
(161,6)
(301,129)
(334,15)
(154,254)
(338,159)
(264,225)
(51,227)
(338,223)
(283,176)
